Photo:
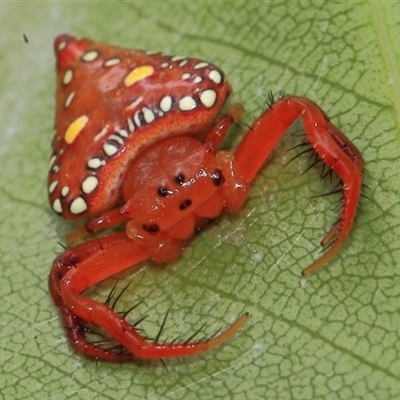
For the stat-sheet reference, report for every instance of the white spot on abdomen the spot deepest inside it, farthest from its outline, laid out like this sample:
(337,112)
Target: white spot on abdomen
(51,162)
(215,76)
(110,149)
(123,132)
(135,102)
(64,191)
(136,118)
(101,133)
(177,58)
(95,163)
(89,184)
(187,103)
(90,56)
(68,76)
(78,206)
(52,186)
(200,65)
(148,115)
(61,45)
(57,206)
(208,98)
(131,125)
(69,100)
(166,103)
(111,62)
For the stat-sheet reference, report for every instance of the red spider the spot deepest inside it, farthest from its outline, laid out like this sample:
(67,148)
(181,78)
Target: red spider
(136,144)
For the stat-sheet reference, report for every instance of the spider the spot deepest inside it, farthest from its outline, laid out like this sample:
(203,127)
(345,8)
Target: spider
(136,144)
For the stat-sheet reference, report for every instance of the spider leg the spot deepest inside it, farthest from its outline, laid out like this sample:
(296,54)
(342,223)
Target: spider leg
(334,149)
(82,266)
(219,130)
(88,258)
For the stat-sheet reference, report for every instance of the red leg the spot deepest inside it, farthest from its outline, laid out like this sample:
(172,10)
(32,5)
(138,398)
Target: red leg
(89,259)
(218,132)
(81,267)
(106,220)
(330,144)
(235,188)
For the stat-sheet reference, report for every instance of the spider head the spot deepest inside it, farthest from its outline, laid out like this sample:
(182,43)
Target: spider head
(173,187)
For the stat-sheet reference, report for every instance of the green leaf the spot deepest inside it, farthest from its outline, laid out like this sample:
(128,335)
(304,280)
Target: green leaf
(333,335)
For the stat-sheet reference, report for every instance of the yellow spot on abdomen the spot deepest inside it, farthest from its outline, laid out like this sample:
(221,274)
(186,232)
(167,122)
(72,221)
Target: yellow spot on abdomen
(75,128)
(138,74)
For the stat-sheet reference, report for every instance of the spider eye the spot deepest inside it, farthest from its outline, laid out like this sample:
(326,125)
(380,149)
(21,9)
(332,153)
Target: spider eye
(179,179)
(185,204)
(151,228)
(163,191)
(217,177)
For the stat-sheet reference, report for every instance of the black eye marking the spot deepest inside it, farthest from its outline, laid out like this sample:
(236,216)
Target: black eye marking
(217,177)
(151,228)
(185,204)
(163,191)
(179,179)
